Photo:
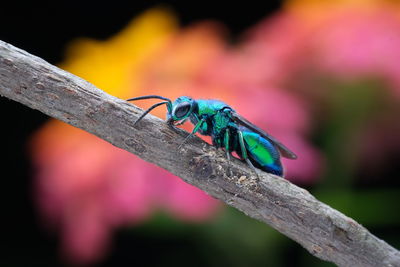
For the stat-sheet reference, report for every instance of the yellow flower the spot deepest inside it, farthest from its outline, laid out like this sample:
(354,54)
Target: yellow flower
(113,65)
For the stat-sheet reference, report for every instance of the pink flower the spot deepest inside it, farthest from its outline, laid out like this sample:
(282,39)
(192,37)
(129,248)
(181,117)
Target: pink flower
(319,51)
(344,41)
(87,187)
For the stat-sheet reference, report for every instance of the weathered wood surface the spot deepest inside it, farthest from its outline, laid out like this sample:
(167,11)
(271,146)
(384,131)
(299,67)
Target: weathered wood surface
(323,231)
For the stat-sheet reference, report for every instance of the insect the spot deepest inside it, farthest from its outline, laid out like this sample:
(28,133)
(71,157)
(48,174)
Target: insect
(227,129)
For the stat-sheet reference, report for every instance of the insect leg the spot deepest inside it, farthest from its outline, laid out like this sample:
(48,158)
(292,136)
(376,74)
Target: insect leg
(196,128)
(182,122)
(244,153)
(228,153)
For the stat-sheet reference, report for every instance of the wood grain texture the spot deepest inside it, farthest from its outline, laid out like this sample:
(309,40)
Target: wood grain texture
(293,211)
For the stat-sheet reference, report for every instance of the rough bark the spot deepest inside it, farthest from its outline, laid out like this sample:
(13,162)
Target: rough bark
(322,230)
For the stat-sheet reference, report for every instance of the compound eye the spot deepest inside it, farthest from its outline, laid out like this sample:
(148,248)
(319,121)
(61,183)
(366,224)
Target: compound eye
(182,109)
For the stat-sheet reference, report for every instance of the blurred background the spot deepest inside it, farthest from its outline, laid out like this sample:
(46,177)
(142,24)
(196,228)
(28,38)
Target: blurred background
(324,78)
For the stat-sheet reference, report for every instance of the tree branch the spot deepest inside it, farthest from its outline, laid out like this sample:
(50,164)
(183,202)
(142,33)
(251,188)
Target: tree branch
(323,231)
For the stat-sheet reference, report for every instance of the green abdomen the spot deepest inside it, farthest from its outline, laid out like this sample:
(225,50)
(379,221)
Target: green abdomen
(263,153)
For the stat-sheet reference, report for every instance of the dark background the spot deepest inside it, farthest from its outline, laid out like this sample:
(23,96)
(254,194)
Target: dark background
(44,29)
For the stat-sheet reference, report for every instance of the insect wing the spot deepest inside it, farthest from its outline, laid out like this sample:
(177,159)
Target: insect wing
(282,149)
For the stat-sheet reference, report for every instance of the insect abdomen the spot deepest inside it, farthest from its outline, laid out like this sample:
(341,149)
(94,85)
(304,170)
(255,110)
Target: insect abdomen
(263,153)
